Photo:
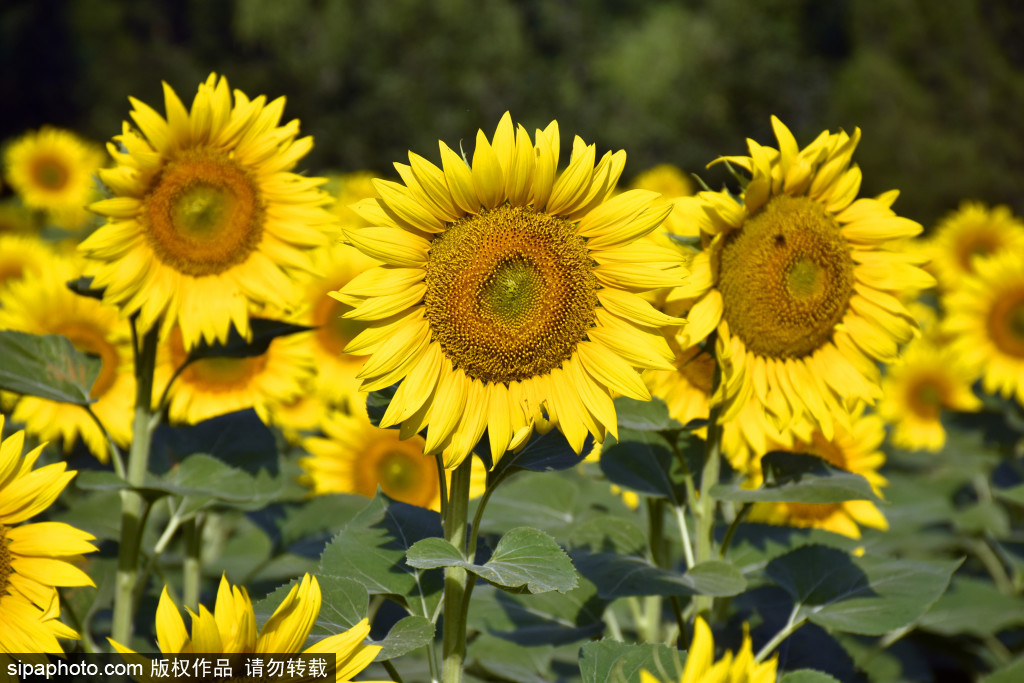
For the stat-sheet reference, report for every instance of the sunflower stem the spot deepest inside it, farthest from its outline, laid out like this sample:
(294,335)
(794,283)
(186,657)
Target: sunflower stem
(192,531)
(131,500)
(456,578)
(704,509)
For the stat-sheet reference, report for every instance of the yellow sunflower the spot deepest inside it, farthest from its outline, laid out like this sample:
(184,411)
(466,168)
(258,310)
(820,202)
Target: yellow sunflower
(926,381)
(52,169)
(34,558)
(671,183)
(508,296)
(985,324)
(347,189)
(43,304)
(686,388)
(231,629)
(207,219)
(800,281)
(356,457)
(22,255)
(974,230)
(214,386)
(854,449)
(701,666)
(336,380)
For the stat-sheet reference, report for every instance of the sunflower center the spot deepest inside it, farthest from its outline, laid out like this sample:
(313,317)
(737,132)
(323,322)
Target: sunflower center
(1006,322)
(786,278)
(6,562)
(88,339)
(334,332)
(510,293)
(400,469)
(204,213)
(976,244)
(50,173)
(809,513)
(927,397)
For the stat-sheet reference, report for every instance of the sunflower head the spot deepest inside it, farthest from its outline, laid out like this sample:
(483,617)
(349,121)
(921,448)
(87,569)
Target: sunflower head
(52,169)
(508,295)
(973,231)
(207,221)
(800,281)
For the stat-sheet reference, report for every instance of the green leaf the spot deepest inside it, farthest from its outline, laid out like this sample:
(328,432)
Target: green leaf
(608,533)
(204,478)
(523,557)
(505,660)
(609,661)
(1011,673)
(377,403)
(807,676)
(542,501)
(643,461)
(263,332)
(865,595)
(800,478)
(619,576)
(542,453)
(371,550)
(644,416)
(83,287)
(46,366)
(1014,494)
(410,633)
(974,607)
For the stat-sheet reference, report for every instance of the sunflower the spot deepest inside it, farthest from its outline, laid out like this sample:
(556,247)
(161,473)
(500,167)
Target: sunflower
(854,449)
(336,381)
(208,387)
(974,230)
(800,279)
(37,557)
(926,381)
(687,387)
(701,666)
(671,183)
(508,295)
(231,629)
(22,255)
(43,304)
(356,457)
(207,220)
(985,324)
(347,189)
(52,169)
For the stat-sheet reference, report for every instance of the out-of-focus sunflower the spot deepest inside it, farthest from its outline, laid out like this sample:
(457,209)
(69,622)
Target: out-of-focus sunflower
(926,381)
(357,457)
(854,449)
(799,279)
(508,298)
(231,629)
(35,558)
(671,183)
(984,323)
(208,387)
(972,231)
(52,170)
(22,255)
(43,304)
(347,189)
(701,666)
(686,388)
(207,219)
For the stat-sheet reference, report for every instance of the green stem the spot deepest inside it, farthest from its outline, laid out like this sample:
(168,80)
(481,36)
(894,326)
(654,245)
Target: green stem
(731,531)
(131,501)
(704,510)
(792,624)
(684,535)
(112,449)
(392,671)
(456,578)
(191,568)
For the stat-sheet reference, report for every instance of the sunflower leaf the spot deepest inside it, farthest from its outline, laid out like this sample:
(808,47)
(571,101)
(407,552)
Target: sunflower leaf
(865,595)
(47,366)
(619,576)
(542,453)
(606,661)
(643,461)
(343,604)
(83,287)
(644,415)
(799,478)
(263,332)
(807,676)
(410,633)
(524,557)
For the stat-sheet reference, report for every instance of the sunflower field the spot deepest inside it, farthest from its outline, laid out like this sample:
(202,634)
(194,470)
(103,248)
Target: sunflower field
(588,341)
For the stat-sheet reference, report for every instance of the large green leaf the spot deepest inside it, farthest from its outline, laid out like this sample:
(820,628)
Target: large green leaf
(643,461)
(542,501)
(408,634)
(504,660)
(610,661)
(542,453)
(619,576)
(46,366)
(799,478)
(648,416)
(524,557)
(865,595)
(974,607)
(343,604)
(371,550)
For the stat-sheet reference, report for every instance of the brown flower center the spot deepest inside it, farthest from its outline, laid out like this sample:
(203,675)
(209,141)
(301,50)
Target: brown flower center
(399,468)
(1006,322)
(510,293)
(204,213)
(786,278)
(50,172)
(6,561)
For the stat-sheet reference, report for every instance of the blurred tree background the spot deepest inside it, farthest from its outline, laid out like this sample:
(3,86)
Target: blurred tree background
(936,87)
